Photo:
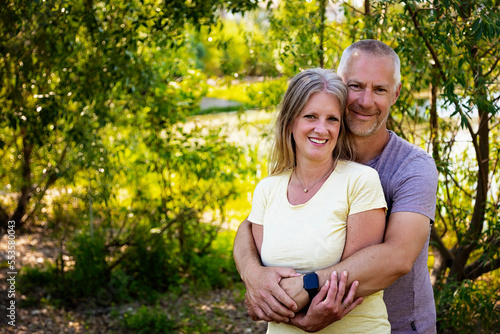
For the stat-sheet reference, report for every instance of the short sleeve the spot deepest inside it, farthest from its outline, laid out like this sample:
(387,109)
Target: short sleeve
(366,193)
(415,189)
(259,204)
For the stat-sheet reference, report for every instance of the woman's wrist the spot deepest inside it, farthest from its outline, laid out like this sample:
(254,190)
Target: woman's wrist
(294,287)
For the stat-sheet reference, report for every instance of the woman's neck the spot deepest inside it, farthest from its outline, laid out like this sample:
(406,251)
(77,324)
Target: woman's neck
(309,173)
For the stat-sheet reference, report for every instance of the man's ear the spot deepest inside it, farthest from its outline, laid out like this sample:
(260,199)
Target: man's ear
(397,93)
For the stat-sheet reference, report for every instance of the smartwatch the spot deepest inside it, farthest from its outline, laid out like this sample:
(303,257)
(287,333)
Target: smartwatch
(311,284)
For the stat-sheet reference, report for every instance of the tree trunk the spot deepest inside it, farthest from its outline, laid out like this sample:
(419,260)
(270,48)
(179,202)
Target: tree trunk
(368,20)
(26,190)
(434,117)
(457,270)
(322,9)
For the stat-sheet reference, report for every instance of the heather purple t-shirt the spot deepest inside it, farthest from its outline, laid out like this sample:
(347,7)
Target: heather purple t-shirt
(409,179)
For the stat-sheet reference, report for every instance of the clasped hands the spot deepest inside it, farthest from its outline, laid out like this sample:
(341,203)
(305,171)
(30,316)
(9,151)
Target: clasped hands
(277,294)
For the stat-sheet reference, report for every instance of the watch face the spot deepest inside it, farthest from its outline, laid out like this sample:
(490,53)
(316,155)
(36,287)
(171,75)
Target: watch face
(311,281)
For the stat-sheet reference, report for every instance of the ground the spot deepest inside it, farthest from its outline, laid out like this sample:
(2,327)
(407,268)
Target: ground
(217,311)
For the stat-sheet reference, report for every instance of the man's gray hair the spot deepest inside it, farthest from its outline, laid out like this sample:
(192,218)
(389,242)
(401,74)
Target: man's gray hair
(374,48)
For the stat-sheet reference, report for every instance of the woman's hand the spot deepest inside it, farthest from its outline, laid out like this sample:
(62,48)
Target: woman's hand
(329,305)
(294,287)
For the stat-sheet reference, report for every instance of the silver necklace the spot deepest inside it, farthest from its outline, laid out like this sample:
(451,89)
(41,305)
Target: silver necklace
(321,178)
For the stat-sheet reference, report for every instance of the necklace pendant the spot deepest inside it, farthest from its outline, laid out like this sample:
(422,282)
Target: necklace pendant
(306,190)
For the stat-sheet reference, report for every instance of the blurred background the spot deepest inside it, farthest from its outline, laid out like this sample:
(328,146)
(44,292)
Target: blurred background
(132,135)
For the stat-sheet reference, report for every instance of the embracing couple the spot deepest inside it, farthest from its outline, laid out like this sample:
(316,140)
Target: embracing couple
(338,234)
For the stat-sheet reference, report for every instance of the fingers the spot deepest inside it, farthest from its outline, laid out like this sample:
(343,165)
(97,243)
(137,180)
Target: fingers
(277,312)
(286,272)
(350,307)
(270,309)
(322,293)
(352,292)
(265,312)
(349,303)
(336,294)
(286,303)
(280,294)
(341,286)
(266,300)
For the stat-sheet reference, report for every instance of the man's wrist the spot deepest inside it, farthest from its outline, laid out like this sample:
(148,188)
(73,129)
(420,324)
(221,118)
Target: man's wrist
(250,271)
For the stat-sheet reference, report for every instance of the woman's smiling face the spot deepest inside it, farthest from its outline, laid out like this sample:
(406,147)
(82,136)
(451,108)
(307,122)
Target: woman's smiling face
(316,128)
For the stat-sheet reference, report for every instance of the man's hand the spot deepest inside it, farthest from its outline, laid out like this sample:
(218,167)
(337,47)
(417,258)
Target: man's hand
(329,305)
(265,299)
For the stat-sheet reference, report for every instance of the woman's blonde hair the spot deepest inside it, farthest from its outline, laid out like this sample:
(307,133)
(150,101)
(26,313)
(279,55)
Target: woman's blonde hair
(300,89)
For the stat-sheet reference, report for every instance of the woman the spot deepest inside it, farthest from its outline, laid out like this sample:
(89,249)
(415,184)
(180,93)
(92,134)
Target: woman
(313,209)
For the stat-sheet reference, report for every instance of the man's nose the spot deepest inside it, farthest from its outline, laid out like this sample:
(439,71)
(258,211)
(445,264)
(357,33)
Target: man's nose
(366,99)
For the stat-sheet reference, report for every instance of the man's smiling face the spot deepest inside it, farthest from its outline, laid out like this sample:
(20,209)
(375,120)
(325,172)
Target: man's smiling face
(372,90)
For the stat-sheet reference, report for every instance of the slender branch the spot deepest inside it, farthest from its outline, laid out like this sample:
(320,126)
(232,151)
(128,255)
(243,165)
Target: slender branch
(492,67)
(493,126)
(493,169)
(354,8)
(478,268)
(440,246)
(443,76)
(457,184)
(496,99)
(427,43)
(124,255)
(52,178)
(494,46)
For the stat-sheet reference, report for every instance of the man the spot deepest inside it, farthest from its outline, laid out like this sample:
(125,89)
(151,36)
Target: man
(371,71)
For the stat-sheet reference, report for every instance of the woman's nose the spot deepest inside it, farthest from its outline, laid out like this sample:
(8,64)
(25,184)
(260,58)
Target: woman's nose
(320,127)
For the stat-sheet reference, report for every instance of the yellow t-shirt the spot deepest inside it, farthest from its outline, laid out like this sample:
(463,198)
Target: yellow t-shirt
(311,236)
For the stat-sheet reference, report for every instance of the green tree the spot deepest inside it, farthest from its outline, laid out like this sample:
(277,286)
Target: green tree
(303,34)
(64,66)
(94,98)
(460,44)
(451,50)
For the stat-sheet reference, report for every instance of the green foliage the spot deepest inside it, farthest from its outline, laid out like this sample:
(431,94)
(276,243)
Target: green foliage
(96,140)
(148,320)
(216,268)
(468,307)
(302,37)
(230,91)
(237,47)
(90,272)
(94,115)
(267,94)
(38,284)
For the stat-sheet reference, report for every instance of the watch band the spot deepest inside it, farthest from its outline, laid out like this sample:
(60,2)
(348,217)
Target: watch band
(311,284)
